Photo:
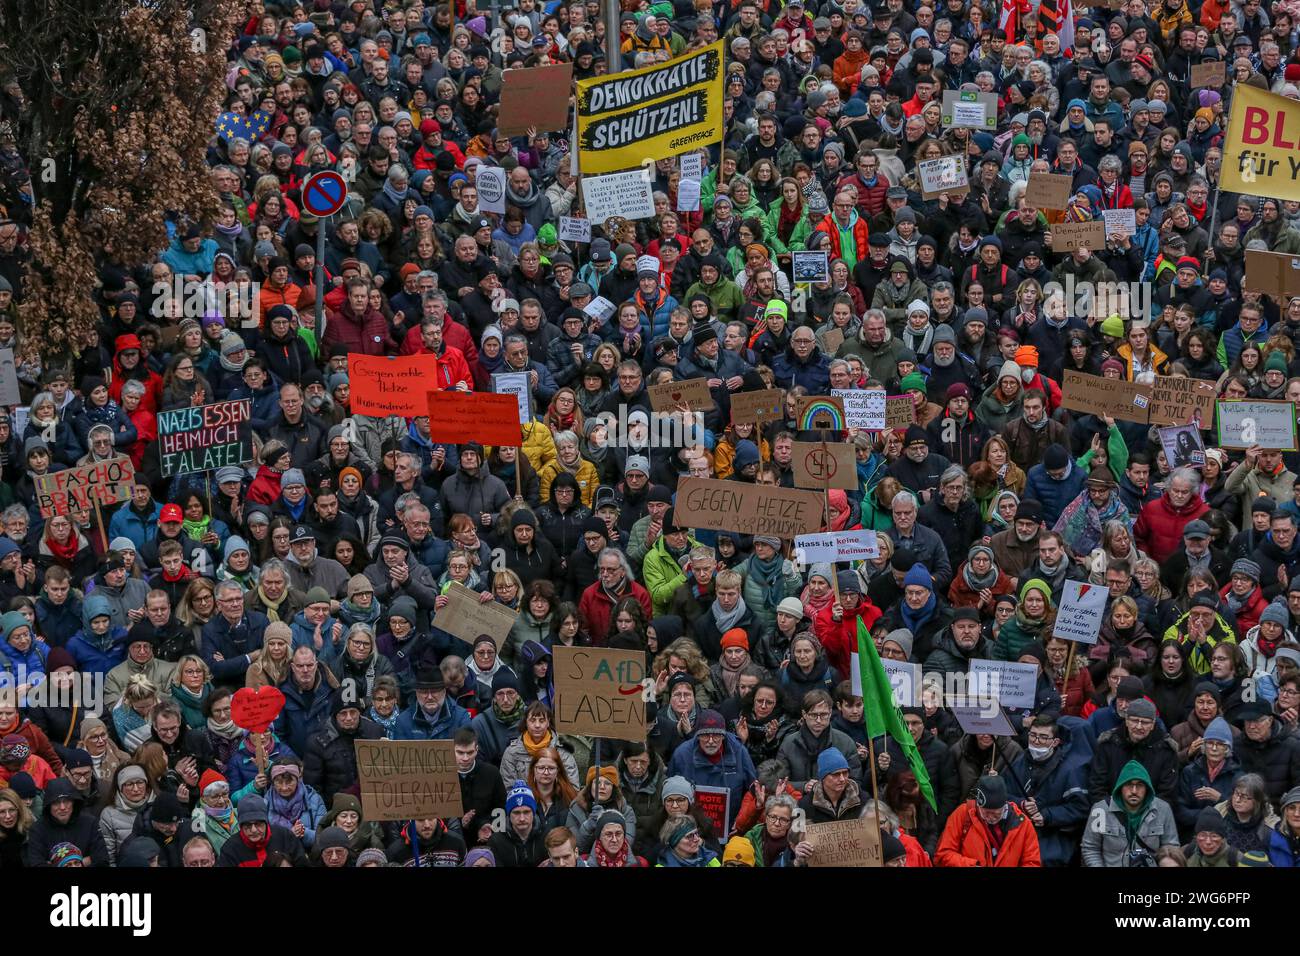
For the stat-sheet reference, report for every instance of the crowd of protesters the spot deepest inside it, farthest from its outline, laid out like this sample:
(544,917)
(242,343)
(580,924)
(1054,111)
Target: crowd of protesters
(317,567)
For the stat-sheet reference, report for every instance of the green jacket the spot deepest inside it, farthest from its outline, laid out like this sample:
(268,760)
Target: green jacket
(725,295)
(798,236)
(661,573)
(1116,454)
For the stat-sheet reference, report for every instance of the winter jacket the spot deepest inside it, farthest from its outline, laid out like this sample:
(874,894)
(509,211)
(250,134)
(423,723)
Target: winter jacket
(1059,787)
(797,752)
(330,762)
(967,840)
(415,724)
(734,771)
(1157,753)
(1107,840)
(1159,527)
(81,830)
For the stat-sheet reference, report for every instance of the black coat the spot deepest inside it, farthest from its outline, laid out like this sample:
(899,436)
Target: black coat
(235,852)
(1157,753)
(330,764)
(1277,760)
(483,791)
(81,830)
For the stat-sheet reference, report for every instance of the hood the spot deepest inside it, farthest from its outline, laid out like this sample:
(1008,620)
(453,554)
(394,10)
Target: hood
(667,628)
(95,606)
(57,789)
(1130,772)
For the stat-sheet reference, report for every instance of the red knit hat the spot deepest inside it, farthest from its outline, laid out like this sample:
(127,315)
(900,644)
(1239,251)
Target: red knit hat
(736,637)
(210,777)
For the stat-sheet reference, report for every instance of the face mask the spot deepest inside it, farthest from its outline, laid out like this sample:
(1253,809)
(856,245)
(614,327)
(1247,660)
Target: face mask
(1040,753)
(1027,375)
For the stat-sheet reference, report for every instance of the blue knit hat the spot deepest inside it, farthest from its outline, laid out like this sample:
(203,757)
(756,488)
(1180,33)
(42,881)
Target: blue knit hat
(520,796)
(746,454)
(1220,731)
(919,577)
(830,760)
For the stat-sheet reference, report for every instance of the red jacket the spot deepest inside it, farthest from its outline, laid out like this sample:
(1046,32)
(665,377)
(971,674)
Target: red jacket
(860,238)
(37,743)
(966,841)
(871,199)
(1159,527)
(453,333)
(265,489)
(839,637)
(595,609)
(1248,616)
(146,428)
(452,369)
(368,334)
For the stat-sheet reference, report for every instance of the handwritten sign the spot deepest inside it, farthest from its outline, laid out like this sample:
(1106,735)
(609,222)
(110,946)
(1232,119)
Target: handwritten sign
(1120,222)
(688,195)
(1096,395)
(516,384)
(758,407)
(947,174)
(1049,190)
(618,194)
(1270,425)
(600,692)
(747,509)
(1208,73)
(1011,684)
(75,490)
(1177,400)
(255,708)
(408,779)
(473,416)
(825,465)
(397,385)
(468,618)
(204,437)
(842,843)
(1083,606)
(858,545)
(1068,236)
(969,109)
(715,803)
(491,184)
(900,411)
(670,396)
(863,407)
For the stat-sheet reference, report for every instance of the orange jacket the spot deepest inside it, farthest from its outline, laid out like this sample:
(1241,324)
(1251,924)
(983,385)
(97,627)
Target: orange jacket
(847,70)
(966,840)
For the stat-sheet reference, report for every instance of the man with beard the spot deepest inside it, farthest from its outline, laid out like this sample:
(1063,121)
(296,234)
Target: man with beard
(948,368)
(960,643)
(1083,519)
(953,515)
(521,191)
(923,543)
(919,469)
(330,763)
(1016,548)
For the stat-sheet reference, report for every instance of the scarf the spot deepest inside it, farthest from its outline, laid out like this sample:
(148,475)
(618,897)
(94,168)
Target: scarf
(195,530)
(350,614)
(772,847)
(295,511)
(105,414)
(395,196)
(603,858)
(224,728)
(726,620)
(731,675)
(1235,603)
(534,749)
(913,620)
(130,806)
(976,583)
(286,811)
(509,718)
(64,554)
(769,576)
(789,219)
(222,816)
(271,608)
(1082,521)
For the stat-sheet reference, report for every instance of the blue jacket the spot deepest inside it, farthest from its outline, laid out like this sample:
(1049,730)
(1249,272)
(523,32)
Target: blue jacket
(414,724)
(493,736)
(241,768)
(1060,788)
(1234,340)
(1193,777)
(1282,851)
(304,635)
(232,643)
(26,668)
(127,523)
(1148,241)
(266,403)
(656,324)
(735,770)
(1054,495)
(814,374)
(304,712)
(58,622)
(191,263)
(97,655)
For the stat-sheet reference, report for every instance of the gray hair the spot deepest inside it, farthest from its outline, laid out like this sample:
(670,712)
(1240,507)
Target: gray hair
(1110,161)
(230,585)
(701,553)
(779,800)
(274,564)
(565,438)
(13,513)
(134,387)
(839,363)
(904,497)
(1186,474)
(952,473)
(616,553)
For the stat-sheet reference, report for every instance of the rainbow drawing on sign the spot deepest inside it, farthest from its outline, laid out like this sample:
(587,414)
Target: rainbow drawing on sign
(822,414)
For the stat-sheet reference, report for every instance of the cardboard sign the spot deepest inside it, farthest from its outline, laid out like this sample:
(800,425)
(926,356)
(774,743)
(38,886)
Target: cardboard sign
(9,394)
(813,412)
(1049,191)
(467,617)
(1079,617)
(831,340)
(408,779)
(75,490)
(758,407)
(747,509)
(573,229)
(969,109)
(852,842)
(1209,73)
(1096,395)
(863,407)
(1274,274)
(1182,445)
(670,396)
(1068,236)
(600,692)
(715,802)
(947,174)
(205,437)
(1271,425)
(1120,222)
(256,709)
(491,183)
(981,720)
(830,546)
(618,194)
(1177,400)
(900,411)
(516,384)
(457,417)
(810,266)
(825,465)
(536,97)
(1010,683)
(391,385)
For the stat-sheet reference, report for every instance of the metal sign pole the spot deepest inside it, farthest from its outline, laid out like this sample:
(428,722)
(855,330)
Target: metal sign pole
(613,37)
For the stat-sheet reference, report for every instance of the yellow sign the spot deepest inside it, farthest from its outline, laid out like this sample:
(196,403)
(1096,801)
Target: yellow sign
(651,113)
(1261,154)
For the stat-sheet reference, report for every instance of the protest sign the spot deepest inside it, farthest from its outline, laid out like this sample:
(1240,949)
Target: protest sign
(408,779)
(863,407)
(537,97)
(900,411)
(255,708)
(810,266)
(618,194)
(692,166)
(1011,684)
(1269,425)
(203,437)
(1177,400)
(823,412)
(983,720)
(600,309)
(573,229)
(457,417)
(467,617)
(688,195)
(670,396)
(970,109)
(758,407)
(715,803)
(1259,150)
(655,111)
(831,340)
(1182,445)
(1068,236)
(715,505)
(600,692)
(851,842)
(1096,395)
(859,545)
(947,174)
(1082,607)
(9,394)
(1274,274)
(516,384)
(1208,73)
(904,678)
(825,465)
(75,490)
(491,184)
(391,385)
(1119,222)
(1049,191)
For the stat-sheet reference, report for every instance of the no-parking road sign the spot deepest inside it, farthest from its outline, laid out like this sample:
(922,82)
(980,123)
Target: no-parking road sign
(324,193)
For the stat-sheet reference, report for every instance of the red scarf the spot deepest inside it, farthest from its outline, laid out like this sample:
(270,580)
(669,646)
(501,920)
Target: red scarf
(259,848)
(1198,212)
(604,859)
(788,220)
(64,554)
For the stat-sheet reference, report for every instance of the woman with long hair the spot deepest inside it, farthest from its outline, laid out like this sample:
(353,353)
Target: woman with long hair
(131,715)
(1117,544)
(551,787)
(190,686)
(600,795)
(197,606)
(997,453)
(221,732)
(536,734)
(1032,622)
(1123,628)
(16,821)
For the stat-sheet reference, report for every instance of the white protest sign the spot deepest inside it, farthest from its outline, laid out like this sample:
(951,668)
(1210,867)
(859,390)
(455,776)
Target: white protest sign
(1011,683)
(692,166)
(573,229)
(688,195)
(837,546)
(1120,222)
(863,407)
(980,720)
(600,308)
(9,392)
(516,384)
(1082,607)
(491,183)
(618,194)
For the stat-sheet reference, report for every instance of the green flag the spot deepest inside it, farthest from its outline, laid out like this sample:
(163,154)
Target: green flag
(883,718)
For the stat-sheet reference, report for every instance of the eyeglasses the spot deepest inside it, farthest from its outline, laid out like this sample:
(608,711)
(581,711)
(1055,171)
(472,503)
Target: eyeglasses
(1141,721)
(1041,738)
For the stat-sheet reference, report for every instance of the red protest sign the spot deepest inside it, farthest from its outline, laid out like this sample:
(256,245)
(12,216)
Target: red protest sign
(715,803)
(256,710)
(474,416)
(390,385)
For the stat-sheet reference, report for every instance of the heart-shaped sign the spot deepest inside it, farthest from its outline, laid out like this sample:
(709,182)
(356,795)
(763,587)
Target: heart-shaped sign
(256,710)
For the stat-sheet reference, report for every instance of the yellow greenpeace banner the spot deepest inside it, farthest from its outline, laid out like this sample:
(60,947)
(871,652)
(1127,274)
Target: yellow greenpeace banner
(651,113)
(1261,154)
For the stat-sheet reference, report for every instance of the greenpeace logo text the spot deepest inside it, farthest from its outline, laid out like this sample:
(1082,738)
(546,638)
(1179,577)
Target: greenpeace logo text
(78,910)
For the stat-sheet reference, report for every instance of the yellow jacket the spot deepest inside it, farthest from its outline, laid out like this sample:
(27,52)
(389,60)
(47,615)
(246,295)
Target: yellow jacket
(539,447)
(725,453)
(587,476)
